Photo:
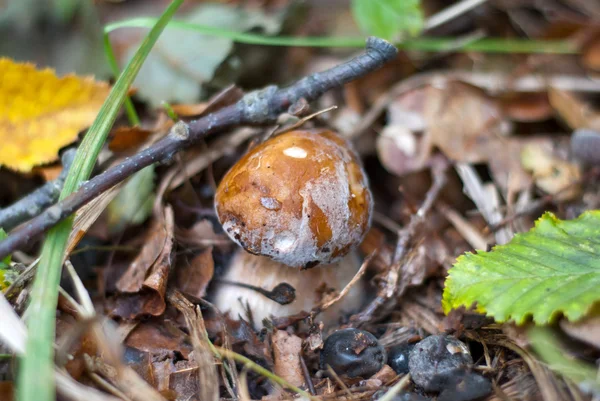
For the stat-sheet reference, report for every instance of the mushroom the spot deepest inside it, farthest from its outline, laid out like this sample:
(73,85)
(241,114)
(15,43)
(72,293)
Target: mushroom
(297,200)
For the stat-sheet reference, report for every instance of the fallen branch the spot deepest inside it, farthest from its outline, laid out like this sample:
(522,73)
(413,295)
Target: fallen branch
(43,197)
(255,108)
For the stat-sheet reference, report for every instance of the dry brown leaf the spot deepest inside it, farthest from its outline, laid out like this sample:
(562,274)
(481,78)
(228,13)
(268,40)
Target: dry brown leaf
(457,118)
(145,281)
(162,369)
(133,279)
(385,375)
(158,337)
(49,173)
(591,54)
(188,110)
(243,336)
(527,107)
(40,112)
(462,121)
(200,234)
(127,138)
(194,276)
(587,330)
(7,391)
(185,383)
(575,112)
(141,363)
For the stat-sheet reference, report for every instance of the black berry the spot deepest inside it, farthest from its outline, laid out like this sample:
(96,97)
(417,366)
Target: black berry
(398,357)
(352,353)
(585,145)
(467,387)
(436,361)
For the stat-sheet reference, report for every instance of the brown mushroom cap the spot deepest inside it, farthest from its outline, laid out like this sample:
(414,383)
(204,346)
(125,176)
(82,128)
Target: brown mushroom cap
(300,198)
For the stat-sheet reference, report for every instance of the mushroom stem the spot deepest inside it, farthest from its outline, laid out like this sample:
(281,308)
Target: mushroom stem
(255,275)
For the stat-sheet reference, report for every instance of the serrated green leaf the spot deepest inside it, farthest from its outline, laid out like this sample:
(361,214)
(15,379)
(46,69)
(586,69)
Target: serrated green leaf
(134,202)
(553,268)
(388,19)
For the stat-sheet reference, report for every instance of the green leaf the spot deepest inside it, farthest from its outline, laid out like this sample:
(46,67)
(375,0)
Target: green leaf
(546,345)
(134,202)
(388,19)
(553,268)
(181,63)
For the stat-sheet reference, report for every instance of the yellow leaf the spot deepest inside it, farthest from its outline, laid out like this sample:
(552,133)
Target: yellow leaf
(41,113)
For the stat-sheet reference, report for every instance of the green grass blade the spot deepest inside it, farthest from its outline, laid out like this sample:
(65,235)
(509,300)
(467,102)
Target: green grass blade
(114,66)
(36,373)
(546,344)
(488,45)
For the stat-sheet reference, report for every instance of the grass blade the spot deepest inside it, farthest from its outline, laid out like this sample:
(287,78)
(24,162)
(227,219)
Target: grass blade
(36,373)
(488,45)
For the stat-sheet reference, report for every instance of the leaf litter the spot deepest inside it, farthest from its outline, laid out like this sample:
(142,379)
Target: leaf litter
(501,136)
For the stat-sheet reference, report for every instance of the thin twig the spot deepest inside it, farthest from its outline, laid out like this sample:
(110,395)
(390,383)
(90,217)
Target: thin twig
(346,289)
(465,228)
(392,286)
(263,372)
(256,108)
(33,204)
(307,378)
(338,380)
(391,394)
(485,198)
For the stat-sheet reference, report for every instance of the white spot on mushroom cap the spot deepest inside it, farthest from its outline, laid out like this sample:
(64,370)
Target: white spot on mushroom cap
(284,242)
(270,203)
(295,152)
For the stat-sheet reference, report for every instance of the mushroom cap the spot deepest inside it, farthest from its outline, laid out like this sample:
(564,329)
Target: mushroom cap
(300,198)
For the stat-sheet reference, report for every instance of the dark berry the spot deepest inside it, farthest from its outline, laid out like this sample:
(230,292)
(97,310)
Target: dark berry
(467,387)
(436,361)
(585,146)
(398,357)
(352,353)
